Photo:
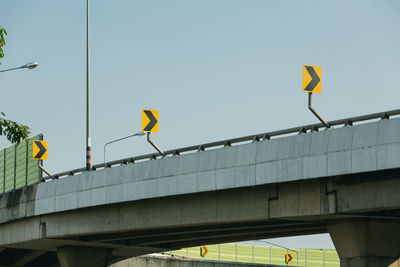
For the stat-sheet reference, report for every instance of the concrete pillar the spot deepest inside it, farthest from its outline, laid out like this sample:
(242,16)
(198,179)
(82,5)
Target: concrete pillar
(366,243)
(83,256)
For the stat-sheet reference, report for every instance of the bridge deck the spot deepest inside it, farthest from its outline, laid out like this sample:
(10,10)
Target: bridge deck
(347,150)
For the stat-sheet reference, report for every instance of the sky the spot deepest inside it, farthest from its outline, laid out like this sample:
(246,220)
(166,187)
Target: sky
(214,70)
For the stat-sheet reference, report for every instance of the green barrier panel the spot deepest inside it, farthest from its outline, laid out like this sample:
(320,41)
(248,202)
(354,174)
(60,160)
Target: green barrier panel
(262,254)
(34,173)
(17,166)
(2,170)
(20,165)
(10,168)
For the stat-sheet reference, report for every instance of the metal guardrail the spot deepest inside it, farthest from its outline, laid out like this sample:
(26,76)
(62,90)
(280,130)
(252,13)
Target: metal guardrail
(228,142)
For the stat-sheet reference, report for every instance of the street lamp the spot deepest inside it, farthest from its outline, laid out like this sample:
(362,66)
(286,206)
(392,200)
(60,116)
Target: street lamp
(287,249)
(88,129)
(136,134)
(30,66)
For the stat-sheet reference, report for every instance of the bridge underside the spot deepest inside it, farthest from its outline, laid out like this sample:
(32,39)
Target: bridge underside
(362,214)
(134,243)
(126,244)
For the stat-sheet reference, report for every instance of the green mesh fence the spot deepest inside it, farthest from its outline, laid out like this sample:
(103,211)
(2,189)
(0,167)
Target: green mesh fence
(263,255)
(17,166)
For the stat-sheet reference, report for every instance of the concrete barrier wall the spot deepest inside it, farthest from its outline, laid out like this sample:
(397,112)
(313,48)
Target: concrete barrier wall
(170,262)
(360,148)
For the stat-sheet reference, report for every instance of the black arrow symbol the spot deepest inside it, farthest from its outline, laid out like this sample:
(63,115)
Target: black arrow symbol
(153,121)
(42,150)
(314,79)
(290,258)
(204,251)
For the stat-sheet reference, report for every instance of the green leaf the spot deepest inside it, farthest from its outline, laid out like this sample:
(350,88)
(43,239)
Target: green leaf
(3,32)
(14,132)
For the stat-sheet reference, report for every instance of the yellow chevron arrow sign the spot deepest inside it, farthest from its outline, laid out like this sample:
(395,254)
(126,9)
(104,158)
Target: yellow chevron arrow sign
(289,258)
(203,251)
(39,150)
(312,79)
(150,121)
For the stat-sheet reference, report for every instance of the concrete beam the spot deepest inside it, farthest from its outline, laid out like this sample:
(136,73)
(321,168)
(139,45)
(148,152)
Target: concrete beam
(28,257)
(83,257)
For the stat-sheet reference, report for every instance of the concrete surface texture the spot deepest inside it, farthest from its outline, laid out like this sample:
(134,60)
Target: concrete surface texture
(357,240)
(169,262)
(395,264)
(303,184)
(83,257)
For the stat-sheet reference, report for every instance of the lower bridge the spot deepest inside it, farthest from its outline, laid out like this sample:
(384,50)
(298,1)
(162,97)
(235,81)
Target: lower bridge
(162,261)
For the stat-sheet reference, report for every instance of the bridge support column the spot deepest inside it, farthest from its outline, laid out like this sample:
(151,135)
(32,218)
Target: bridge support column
(366,243)
(83,256)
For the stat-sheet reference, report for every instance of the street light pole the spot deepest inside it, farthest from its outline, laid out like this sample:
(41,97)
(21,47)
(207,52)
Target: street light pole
(116,140)
(263,241)
(30,65)
(88,132)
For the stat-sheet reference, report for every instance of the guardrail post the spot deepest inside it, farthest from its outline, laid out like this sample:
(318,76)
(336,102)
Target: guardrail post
(252,247)
(270,255)
(305,258)
(219,252)
(236,257)
(323,257)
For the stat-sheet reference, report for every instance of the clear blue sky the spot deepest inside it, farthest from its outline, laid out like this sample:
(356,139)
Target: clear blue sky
(214,69)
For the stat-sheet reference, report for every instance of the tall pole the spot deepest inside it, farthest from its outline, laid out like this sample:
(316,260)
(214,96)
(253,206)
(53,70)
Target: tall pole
(88,140)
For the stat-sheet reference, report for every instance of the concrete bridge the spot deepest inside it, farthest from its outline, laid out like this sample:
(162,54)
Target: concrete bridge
(162,261)
(343,181)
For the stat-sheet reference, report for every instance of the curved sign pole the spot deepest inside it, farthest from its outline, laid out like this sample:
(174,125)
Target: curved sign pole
(315,112)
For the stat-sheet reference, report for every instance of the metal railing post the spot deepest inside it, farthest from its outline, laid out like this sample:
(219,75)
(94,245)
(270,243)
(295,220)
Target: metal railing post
(253,252)
(236,256)
(270,255)
(305,258)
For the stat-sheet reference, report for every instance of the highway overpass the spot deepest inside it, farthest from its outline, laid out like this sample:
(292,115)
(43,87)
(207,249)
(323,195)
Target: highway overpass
(343,181)
(155,260)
